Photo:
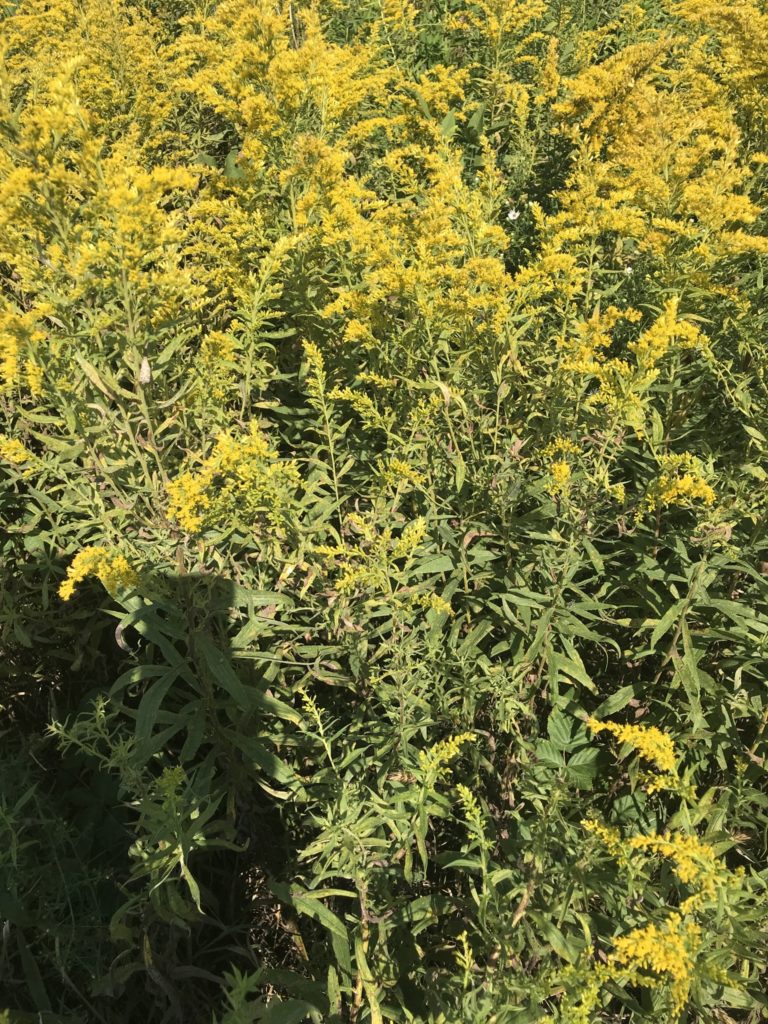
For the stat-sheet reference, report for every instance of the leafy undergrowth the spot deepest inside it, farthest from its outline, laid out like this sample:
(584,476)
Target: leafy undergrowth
(383,494)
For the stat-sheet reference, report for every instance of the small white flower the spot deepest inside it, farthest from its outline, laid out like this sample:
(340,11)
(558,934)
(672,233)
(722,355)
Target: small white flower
(513,214)
(628,271)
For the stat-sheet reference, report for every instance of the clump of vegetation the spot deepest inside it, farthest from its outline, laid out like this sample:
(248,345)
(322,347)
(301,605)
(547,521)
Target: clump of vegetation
(383,465)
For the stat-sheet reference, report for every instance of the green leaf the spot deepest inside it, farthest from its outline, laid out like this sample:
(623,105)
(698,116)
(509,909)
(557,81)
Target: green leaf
(448,127)
(266,759)
(32,976)
(231,169)
(583,767)
(667,621)
(559,730)
(616,702)
(435,564)
(146,716)
(290,1011)
(246,698)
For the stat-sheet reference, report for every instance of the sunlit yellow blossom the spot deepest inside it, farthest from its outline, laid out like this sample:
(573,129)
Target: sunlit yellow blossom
(410,538)
(216,364)
(435,603)
(377,557)
(560,477)
(650,743)
(561,446)
(681,482)
(656,953)
(695,863)
(667,330)
(435,762)
(13,451)
(362,404)
(398,473)
(243,478)
(610,837)
(470,807)
(111,567)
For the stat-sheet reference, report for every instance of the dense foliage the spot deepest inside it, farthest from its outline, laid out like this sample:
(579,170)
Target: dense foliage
(384,609)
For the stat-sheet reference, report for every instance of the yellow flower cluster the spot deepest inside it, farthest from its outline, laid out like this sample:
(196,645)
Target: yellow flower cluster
(398,472)
(650,743)
(629,180)
(435,762)
(560,477)
(13,451)
(623,386)
(21,334)
(695,862)
(655,954)
(371,564)
(111,567)
(363,405)
(681,482)
(652,956)
(653,344)
(216,365)
(316,376)
(609,837)
(472,811)
(586,352)
(410,538)
(741,30)
(618,492)
(561,446)
(243,480)
(559,470)
(435,603)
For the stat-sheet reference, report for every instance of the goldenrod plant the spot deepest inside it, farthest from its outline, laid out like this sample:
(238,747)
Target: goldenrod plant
(383,503)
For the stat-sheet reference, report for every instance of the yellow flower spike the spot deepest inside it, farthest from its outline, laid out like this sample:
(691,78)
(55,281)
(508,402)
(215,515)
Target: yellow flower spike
(654,953)
(559,472)
(242,476)
(561,446)
(111,567)
(681,482)
(435,762)
(434,603)
(316,376)
(397,472)
(653,344)
(559,477)
(650,743)
(13,451)
(695,862)
(609,837)
(413,534)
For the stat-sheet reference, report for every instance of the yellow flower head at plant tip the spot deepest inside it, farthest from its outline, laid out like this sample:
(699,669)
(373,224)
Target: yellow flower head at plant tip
(398,473)
(13,451)
(242,477)
(435,762)
(556,453)
(560,446)
(694,862)
(609,837)
(111,567)
(559,477)
(434,603)
(681,482)
(656,953)
(470,806)
(650,743)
